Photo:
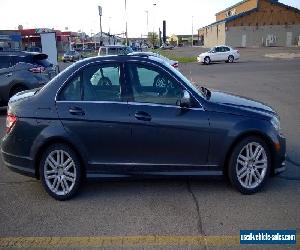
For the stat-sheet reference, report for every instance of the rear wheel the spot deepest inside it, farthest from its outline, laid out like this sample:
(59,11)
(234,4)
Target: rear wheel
(207,60)
(249,165)
(60,171)
(230,59)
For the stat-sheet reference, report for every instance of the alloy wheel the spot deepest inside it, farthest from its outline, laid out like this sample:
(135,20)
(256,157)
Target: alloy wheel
(251,165)
(60,172)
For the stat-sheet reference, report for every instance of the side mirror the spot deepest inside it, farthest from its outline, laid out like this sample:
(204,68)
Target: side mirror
(185,101)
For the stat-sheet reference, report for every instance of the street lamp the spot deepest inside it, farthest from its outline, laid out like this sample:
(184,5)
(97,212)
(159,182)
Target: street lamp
(100,15)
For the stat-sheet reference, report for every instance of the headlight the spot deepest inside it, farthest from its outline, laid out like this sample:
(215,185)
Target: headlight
(276,123)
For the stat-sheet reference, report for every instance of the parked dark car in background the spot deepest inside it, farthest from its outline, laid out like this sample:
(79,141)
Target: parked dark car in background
(22,71)
(107,117)
(71,56)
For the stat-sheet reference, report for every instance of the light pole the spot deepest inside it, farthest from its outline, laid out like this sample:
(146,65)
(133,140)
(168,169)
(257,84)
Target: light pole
(192,31)
(154,4)
(100,15)
(126,23)
(147,12)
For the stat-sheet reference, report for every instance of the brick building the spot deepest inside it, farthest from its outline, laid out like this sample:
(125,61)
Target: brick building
(254,23)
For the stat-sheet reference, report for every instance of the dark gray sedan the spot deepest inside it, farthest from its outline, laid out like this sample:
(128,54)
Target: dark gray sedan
(132,116)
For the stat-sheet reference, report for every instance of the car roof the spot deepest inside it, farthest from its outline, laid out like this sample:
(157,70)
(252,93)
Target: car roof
(120,58)
(19,53)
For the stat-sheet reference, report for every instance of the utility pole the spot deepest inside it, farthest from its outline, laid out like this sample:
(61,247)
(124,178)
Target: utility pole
(147,12)
(126,33)
(192,31)
(153,36)
(100,15)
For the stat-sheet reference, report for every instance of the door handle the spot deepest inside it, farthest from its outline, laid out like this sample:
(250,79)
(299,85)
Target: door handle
(8,74)
(143,116)
(76,111)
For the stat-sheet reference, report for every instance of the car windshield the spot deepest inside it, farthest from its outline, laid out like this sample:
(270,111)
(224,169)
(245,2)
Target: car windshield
(187,82)
(70,52)
(212,49)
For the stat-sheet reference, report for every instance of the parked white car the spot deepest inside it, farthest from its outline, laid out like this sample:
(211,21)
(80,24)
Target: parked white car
(218,54)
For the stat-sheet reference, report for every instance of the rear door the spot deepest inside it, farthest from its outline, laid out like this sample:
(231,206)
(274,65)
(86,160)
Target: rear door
(92,109)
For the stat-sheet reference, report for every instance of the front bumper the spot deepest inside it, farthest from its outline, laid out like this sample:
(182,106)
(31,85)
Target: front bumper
(279,156)
(200,59)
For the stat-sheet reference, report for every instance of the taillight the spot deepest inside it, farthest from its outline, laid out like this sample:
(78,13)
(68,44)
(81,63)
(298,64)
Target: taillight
(11,120)
(175,65)
(37,69)
(238,52)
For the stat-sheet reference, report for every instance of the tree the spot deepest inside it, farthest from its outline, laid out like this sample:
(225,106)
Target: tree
(153,38)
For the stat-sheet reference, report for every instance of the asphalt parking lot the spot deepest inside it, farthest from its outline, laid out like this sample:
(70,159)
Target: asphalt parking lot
(169,214)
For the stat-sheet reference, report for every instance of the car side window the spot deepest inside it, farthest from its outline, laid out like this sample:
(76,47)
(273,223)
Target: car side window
(225,49)
(103,51)
(152,85)
(101,82)
(72,91)
(218,49)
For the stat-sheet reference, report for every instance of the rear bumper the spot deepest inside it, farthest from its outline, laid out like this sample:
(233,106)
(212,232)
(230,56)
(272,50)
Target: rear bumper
(19,164)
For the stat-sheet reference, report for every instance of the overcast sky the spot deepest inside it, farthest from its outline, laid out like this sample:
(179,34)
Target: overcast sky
(83,15)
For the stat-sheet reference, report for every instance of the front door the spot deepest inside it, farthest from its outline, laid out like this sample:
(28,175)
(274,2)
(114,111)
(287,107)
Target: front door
(92,110)
(165,137)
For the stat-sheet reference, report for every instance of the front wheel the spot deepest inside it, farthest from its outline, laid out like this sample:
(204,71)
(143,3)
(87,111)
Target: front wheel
(60,171)
(249,165)
(207,60)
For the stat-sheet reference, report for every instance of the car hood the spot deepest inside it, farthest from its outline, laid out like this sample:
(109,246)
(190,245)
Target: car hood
(239,104)
(204,54)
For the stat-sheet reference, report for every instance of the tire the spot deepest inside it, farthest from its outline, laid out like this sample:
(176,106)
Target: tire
(61,182)
(230,59)
(207,60)
(16,90)
(248,172)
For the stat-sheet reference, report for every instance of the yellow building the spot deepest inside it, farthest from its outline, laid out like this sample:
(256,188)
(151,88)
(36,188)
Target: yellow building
(254,23)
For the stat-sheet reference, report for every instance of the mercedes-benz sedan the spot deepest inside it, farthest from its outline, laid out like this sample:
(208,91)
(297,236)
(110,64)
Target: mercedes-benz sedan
(131,116)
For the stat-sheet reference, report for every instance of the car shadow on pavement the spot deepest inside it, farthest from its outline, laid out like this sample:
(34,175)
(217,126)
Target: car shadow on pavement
(164,186)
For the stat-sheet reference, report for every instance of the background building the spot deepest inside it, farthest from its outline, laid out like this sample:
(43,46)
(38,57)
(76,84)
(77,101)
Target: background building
(10,40)
(254,23)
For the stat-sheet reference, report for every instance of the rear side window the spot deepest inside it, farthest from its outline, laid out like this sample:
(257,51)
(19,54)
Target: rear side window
(99,82)
(72,91)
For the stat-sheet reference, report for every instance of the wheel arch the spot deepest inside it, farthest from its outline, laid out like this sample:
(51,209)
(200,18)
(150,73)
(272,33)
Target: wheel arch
(56,140)
(242,136)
